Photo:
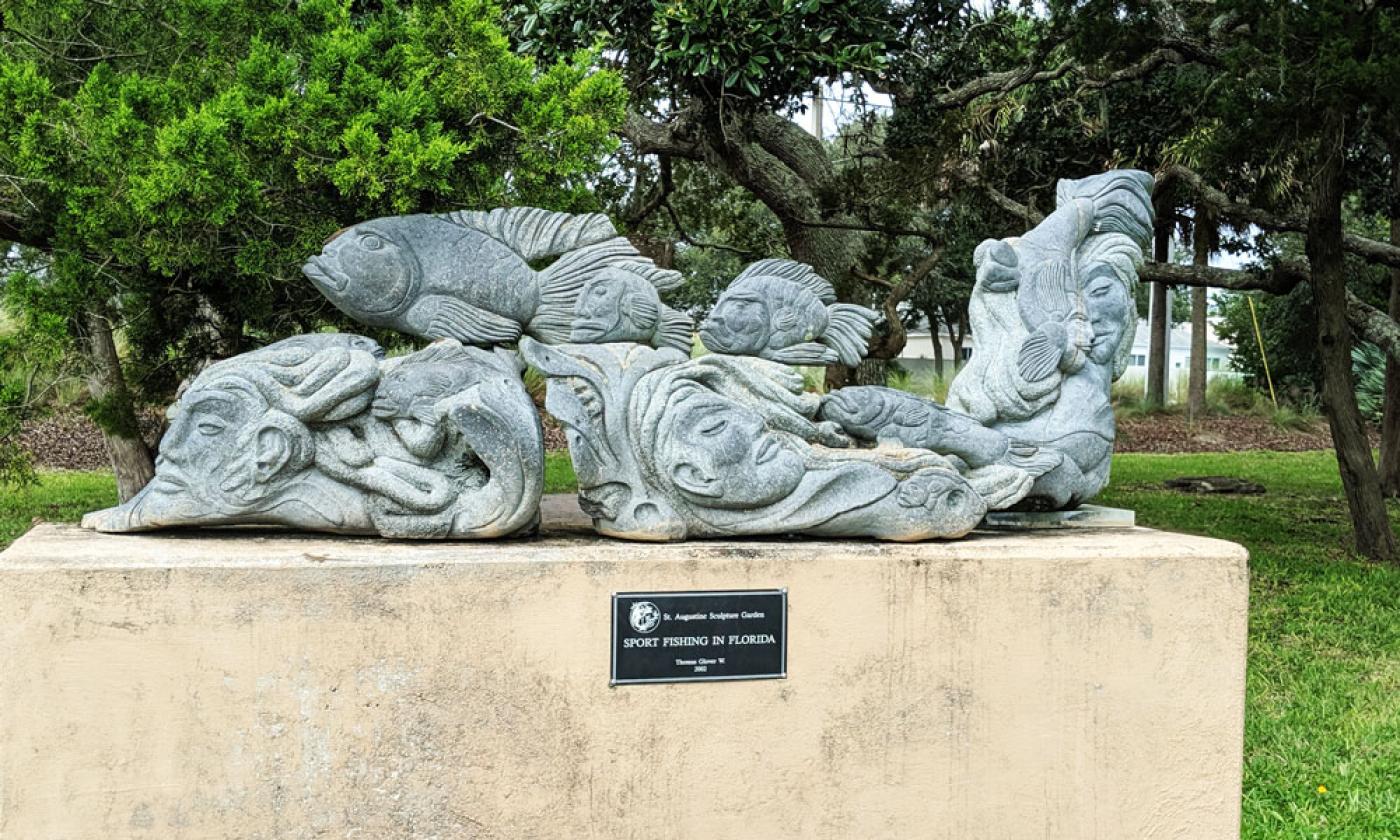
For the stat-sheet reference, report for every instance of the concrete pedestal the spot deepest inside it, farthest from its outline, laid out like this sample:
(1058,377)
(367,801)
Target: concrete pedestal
(1067,684)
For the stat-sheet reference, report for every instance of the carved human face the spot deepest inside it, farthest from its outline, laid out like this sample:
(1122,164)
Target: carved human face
(225,453)
(722,455)
(739,324)
(598,316)
(1109,308)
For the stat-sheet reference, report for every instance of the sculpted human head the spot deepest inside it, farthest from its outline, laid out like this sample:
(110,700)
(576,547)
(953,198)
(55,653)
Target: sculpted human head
(227,450)
(720,453)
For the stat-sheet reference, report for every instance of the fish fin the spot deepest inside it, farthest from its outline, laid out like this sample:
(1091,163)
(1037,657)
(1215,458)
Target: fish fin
(1033,459)
(675,329)
(807,353)
(1052,292)
(786,320)
(791,271)
(1041,351)
(534,233)
(848,330)
(913,415)
(563,279)
(661,279)
(442,350)
(641,309)
(469,324)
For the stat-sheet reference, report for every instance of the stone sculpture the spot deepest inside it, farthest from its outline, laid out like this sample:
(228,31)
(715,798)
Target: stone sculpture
(1054,315)
(784,311)
(468,275)
(667,448)
(320,433)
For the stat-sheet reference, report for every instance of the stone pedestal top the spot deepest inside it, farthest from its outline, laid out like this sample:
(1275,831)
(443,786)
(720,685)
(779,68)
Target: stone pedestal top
(565,536)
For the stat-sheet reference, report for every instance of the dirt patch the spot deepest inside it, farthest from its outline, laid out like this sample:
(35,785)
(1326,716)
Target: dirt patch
(71,441)
(1171,433)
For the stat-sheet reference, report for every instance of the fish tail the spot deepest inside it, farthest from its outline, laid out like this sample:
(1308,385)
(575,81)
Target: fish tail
(563,279)
(673,329)
(848,331)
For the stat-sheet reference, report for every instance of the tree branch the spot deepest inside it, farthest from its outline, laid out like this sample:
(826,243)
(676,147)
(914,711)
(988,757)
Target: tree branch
(872,227)
(659,138)
(12,229)
(1278,280)
(1370,250)
(1146,66)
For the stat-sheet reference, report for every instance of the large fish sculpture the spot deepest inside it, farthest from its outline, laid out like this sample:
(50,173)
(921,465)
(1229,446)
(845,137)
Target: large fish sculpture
(782,310)
(467,275)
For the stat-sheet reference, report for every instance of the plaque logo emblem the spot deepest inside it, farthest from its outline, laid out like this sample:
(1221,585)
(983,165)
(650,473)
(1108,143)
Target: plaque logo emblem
(644,616)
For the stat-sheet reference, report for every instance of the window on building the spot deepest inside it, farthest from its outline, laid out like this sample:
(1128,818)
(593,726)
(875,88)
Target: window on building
(1139,360)
(966,353)
(1213,363)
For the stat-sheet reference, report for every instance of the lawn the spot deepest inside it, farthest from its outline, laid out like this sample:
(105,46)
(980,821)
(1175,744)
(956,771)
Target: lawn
(1322,729)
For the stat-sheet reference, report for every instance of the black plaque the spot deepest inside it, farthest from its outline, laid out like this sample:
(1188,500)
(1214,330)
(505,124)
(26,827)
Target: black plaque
(696,636)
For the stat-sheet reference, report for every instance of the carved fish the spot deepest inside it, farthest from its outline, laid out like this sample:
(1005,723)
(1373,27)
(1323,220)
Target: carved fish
(468,275)
(622,304)
(892,417)
(413,389)
(784,311)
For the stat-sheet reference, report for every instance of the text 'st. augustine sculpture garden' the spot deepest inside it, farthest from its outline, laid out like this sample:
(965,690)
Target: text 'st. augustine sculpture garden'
(319,432)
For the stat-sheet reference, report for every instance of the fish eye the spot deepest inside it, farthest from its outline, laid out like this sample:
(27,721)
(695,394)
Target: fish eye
(371,241)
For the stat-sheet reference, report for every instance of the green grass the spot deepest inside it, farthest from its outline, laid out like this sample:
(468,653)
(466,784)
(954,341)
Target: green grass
(1323,704)
(559,473)
(60,496)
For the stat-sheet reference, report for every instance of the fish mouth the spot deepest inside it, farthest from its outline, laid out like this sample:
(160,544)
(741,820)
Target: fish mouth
(711,339)
(323,275)
(767,451)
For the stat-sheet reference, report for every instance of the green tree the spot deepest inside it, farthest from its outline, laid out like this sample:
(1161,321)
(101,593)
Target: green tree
(174,162)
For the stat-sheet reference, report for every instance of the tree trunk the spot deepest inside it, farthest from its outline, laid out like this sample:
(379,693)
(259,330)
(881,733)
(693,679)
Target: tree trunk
(113,410)
(956,335)
(1390,423)
(1160,329)
(933,329)
(1203,239)
(1360,480)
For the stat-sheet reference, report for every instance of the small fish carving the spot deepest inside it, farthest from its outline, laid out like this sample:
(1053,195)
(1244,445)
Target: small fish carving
(894,418)
(622,304)
(782,310)
(412,391)
(468,275)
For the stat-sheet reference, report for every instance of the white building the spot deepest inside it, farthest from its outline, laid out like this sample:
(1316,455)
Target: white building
(918,354)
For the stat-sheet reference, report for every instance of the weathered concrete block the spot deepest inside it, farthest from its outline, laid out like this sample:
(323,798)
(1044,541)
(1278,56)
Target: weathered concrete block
(1068,684)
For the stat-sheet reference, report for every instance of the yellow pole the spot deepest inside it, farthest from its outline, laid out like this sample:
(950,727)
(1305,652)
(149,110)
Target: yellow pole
(1259,338)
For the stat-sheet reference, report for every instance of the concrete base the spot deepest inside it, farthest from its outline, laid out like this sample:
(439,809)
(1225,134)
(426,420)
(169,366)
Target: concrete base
(1060,684)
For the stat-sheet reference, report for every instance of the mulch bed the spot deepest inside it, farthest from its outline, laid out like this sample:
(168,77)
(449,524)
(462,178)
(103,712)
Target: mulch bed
(1170,433)
(71,441)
